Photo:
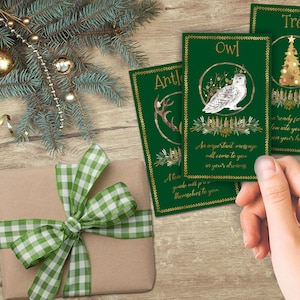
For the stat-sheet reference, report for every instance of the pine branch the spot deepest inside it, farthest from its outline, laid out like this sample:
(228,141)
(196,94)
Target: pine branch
(74,23)
(17,84)
(20,62)
(5,38)
(66,29)
(128,50)
(95,15)
(24,128)
(47,124)
(99,82)
(87,41)
(114,37)
(44,12)
(14,6)
(82,119)
(136,15)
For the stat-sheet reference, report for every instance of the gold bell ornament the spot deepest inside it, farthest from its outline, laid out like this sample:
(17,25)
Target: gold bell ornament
(63,65)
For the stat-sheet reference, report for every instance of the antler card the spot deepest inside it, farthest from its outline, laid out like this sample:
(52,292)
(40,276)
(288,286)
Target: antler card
(225,105)
(157,93)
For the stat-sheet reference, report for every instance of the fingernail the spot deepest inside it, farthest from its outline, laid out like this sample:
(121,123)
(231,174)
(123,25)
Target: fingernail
(265,167)
(256,252)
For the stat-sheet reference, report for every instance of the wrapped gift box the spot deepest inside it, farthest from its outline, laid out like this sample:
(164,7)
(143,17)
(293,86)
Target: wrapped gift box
(117,265)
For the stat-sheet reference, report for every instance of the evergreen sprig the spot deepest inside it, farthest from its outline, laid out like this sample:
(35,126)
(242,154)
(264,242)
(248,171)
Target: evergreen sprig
(226,126)
(171,158)
(17,84)
(67,29)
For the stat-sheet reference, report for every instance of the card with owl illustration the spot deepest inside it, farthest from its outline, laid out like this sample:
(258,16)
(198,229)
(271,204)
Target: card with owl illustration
(283,22)
(226,105)
(157,95)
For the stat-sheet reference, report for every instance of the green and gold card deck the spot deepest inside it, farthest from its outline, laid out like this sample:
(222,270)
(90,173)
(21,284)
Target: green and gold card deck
(283,22)
(234,97)
(226,105)
(157,93)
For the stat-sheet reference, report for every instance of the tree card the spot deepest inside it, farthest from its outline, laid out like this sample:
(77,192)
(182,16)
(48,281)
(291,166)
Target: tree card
(157,93)
(226,105)
(283,22)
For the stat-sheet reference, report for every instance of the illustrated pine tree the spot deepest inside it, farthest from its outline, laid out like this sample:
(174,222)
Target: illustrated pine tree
(44,50)
(287,95)
(290,72)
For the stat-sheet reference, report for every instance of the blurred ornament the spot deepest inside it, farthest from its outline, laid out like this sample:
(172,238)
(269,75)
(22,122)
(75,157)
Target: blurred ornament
(70,97)
(11,23)
(6,118)
(6,62)
(34,38)
(63,65)
(26,21)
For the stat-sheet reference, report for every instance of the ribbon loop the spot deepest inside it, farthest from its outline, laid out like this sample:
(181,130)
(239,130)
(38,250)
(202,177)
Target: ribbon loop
(36,245)
(109,207)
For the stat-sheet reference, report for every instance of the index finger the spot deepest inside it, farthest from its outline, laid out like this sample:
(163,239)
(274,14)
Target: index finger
(248,193)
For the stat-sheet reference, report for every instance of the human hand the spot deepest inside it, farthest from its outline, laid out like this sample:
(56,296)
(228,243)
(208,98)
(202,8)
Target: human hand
(269,218)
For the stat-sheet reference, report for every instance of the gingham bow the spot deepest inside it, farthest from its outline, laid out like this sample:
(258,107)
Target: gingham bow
(112,212)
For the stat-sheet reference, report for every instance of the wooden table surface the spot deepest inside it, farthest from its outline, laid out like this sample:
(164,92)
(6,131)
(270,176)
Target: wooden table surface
(199,254)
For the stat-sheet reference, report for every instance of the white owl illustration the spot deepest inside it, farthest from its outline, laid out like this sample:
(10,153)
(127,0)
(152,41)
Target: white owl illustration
(228,96)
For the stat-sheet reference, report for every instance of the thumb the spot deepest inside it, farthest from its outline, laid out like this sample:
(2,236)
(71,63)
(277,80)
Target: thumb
(276,195)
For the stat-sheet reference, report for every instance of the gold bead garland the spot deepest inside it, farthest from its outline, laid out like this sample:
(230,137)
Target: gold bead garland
(11,23)
(34,38)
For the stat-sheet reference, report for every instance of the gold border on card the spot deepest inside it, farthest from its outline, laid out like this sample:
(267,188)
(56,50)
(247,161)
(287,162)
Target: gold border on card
(145,142)
(247,37)
(273,8)
(270,8)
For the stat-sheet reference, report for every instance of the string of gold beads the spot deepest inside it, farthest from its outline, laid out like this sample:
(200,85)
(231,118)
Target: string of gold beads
(34,38)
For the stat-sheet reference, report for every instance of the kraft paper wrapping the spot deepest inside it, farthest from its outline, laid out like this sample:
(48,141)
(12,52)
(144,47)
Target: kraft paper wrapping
(117,265)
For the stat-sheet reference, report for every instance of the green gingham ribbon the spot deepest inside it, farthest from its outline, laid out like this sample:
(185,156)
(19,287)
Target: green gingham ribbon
(112,212)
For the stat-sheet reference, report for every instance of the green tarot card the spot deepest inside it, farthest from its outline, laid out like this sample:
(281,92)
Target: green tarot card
(226,104)
(283,22)
(157,94)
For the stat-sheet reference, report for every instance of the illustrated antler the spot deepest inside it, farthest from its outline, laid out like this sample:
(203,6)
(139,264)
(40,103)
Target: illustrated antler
(160,108)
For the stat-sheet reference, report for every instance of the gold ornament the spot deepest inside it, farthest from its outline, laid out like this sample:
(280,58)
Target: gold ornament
(11,23)
(34,38)
(70,97)
(7,118)
(63,65)
(26,21)
(6,62)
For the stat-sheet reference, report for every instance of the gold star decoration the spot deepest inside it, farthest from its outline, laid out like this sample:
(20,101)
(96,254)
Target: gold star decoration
(291,39)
